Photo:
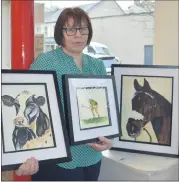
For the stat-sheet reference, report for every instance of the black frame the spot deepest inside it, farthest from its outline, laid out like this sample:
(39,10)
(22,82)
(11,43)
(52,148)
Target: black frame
(67,105)
(63,121)
(113,66)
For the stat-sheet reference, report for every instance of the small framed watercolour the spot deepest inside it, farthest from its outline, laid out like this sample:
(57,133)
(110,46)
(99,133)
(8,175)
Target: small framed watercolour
(32,121)
(148,105)
(91,107)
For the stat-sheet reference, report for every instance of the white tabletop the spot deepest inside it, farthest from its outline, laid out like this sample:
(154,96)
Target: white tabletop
(144,163)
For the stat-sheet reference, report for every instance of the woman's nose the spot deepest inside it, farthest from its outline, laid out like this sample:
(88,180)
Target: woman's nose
(78,33)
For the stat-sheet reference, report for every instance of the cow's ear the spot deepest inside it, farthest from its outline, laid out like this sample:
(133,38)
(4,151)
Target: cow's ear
(146,85)
(137,86)
(40,100)
(8,100)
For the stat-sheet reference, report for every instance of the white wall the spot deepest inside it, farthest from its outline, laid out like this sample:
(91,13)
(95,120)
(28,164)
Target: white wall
(105,8)
(6,34)
(125,35)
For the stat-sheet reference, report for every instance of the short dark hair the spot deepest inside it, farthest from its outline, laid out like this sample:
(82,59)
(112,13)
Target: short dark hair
(78,15)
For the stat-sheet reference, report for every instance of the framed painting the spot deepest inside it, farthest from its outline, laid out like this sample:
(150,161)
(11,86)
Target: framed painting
(148,106)
(91,107)
(32,123)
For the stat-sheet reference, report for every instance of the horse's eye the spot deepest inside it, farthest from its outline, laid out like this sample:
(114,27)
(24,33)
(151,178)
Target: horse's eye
(146,101)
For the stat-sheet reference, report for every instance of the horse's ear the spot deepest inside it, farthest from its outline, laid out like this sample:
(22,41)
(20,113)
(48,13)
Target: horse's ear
(146,85)
(137,86)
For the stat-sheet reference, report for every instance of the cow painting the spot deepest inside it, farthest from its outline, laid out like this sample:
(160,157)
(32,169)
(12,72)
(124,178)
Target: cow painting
(30,121)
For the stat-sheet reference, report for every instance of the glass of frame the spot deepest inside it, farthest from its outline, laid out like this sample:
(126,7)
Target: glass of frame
(148,106)
(91,107)
(32,121)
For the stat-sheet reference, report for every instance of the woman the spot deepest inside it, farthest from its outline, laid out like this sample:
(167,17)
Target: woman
(73,31)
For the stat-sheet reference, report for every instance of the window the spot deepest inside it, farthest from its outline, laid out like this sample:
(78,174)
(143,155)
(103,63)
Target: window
(148,54)
(46,31)
(38,30)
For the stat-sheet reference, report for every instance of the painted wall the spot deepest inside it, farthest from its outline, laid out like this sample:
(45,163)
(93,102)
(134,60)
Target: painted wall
(166,33)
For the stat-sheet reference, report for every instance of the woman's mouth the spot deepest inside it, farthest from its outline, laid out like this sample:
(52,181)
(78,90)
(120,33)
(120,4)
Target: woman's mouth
(79,43)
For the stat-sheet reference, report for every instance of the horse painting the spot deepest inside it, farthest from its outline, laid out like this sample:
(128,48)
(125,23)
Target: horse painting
(155,109)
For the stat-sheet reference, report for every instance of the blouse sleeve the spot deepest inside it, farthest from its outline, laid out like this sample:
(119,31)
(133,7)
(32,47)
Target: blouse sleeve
(102,68)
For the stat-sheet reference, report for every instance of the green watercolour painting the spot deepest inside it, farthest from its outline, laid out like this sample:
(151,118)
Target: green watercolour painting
(93,107)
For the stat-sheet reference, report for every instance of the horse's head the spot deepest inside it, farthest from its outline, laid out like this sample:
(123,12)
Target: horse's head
(154,108)
(144,101)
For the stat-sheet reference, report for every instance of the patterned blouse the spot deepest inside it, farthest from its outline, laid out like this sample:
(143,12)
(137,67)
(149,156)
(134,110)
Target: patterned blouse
(57,60)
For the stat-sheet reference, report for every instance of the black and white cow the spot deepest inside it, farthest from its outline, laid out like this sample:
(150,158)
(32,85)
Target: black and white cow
(30,121)
(21,135)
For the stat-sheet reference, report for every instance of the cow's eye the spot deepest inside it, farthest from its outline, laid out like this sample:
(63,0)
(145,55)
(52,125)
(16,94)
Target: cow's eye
(31,106)
(17,106)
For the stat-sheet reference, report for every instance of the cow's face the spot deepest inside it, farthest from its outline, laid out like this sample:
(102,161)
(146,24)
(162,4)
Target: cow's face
(27,107)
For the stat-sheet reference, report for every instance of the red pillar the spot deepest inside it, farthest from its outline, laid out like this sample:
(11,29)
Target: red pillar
(22,33)
(22,41)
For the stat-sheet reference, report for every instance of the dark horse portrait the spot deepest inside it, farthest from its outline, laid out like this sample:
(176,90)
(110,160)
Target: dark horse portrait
(155,109)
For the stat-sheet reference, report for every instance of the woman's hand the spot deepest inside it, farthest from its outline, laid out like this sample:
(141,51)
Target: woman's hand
(30,167)
(103,145)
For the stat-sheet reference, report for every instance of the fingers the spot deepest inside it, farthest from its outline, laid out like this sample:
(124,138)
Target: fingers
(30,167)
(36,165)
(103,145)
(21,170)
(104,140)
(97,147)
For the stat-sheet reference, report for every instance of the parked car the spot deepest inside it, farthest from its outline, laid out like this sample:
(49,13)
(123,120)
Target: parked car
(101,51)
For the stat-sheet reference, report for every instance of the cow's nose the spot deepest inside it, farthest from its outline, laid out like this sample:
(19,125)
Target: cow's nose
(18,120)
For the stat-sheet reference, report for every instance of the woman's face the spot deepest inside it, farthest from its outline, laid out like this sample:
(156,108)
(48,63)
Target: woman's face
(75,43)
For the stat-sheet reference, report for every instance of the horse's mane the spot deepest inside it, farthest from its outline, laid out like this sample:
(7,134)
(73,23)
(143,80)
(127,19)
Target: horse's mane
(163,103)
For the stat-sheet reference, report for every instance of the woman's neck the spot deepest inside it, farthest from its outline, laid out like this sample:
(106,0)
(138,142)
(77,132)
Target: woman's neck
(76,56)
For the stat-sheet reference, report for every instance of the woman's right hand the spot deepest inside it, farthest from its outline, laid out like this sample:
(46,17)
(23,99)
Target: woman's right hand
(30,167)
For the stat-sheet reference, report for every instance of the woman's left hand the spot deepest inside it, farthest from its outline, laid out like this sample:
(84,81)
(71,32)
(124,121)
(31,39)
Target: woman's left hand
(104,144)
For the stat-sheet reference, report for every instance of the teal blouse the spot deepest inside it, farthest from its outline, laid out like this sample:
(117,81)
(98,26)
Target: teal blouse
(57,60)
